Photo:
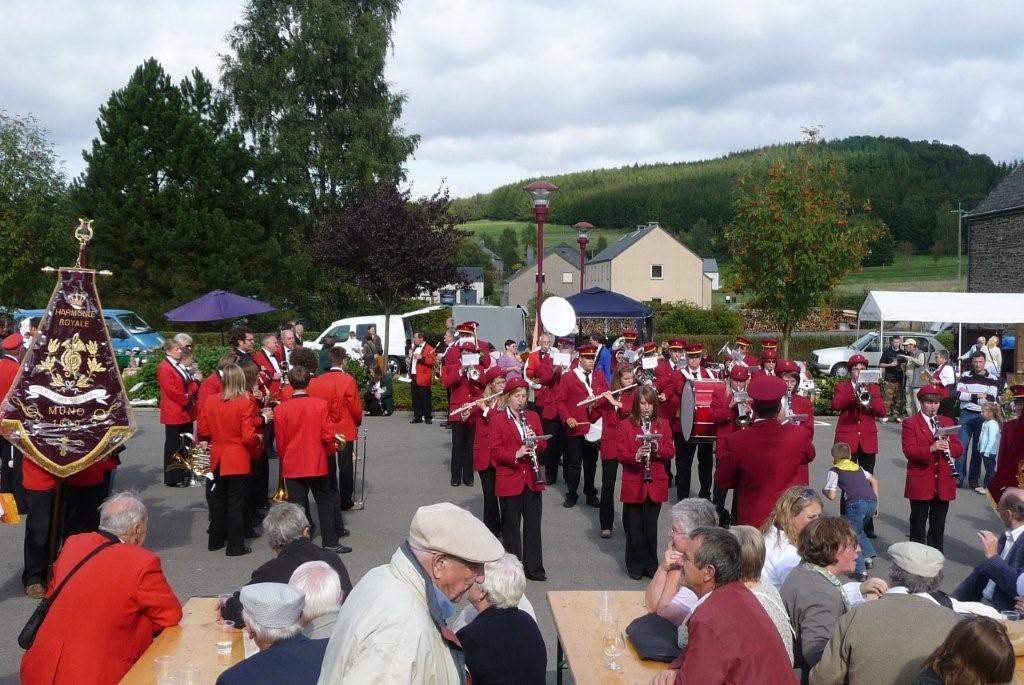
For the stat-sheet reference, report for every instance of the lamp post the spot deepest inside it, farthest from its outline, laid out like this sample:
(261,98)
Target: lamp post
(541,192)
(583,237)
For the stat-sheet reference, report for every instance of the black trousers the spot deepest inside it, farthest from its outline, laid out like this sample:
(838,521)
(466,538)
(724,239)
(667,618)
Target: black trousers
(171,444)
(10,473)
(641,524)
(867,462)
(38,510)
(726,517)
(930,513)
(492,511)
(580,455)
(82,508)
(609,473)
(346,472)
(523,511)
(556,447)
(462,453)
(685,449)
(227,518)
(332,484)
(298,493)
(421,401)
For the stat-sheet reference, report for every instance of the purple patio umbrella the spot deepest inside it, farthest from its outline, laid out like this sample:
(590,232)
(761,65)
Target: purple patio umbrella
(217,305)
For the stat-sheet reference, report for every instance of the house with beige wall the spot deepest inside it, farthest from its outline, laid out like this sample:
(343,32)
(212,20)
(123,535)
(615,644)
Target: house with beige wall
(649,264)
(561,277)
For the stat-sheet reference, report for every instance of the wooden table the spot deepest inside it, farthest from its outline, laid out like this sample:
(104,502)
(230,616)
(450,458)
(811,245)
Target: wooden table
(580,640)
(193,641)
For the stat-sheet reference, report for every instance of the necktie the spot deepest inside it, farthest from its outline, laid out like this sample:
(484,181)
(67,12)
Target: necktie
(586,374)
(935,425)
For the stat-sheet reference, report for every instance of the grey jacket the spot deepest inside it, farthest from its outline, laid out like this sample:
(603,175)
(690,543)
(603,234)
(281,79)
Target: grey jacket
(814,606)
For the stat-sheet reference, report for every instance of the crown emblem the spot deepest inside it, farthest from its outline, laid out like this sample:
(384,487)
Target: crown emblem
(77,299)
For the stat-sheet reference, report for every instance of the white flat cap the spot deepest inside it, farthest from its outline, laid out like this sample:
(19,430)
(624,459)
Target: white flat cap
(913,557)
(452,530)
(273,605)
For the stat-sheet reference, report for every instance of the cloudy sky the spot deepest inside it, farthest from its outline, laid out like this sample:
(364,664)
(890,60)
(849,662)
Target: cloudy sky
(501,90)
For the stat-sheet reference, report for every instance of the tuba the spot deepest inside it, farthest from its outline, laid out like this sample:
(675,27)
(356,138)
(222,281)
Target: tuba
(190,457)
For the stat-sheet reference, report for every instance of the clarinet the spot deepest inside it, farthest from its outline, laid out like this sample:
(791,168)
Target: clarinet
(530,439)
(648,476)
(949,457)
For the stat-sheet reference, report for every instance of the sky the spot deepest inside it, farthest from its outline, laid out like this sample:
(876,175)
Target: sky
(503,90)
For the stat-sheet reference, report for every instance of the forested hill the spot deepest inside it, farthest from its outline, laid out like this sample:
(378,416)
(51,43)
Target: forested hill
(912,186)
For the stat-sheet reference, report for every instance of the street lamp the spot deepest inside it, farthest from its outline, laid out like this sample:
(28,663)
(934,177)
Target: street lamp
(583,237)
(541,192)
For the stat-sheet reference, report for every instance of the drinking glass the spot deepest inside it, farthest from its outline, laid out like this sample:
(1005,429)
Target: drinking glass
(604,606)
(225,637)
(189,675)
(614,646)
(1011,615)
(165,667)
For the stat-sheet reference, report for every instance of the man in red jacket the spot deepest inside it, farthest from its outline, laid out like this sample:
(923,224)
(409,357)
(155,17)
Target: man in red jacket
(765,458)
(178,408)
(694,370)
(10,458)
(543,375)
(107,614)
(1011,450)
(457,374)
(581,455)
(422,373)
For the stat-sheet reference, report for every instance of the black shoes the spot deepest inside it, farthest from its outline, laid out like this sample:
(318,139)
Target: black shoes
(239,552)
(569,502)
(339,549)
(539,577)
(593,501)
(344,533)
(416,421)
(550,481)
(428,421)
(456,482)
(636,576)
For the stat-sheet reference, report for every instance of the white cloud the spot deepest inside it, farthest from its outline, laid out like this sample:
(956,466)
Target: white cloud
(503,90)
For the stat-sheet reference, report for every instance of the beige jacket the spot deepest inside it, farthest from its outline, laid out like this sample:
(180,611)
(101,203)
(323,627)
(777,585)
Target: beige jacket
(384,633)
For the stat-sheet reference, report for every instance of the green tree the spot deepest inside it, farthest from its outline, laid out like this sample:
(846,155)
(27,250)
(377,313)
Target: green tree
(167,183)
(601,243)
(470,253)
(35,222)
(792,240)
(308,81)
(508,248)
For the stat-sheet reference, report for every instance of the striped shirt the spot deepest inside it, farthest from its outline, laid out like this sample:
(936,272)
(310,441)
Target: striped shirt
(973,388)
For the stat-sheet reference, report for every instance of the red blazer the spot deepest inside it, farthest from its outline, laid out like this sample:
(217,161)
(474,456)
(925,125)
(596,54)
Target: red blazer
(104,619)
(273,385)
(802,405)
(1008,464)
(33,477)
(856,425)
(8,371)
(634,490)
(760,462)
(233,428)
(178,397)
(481,423)
(341,392)
(424,375)
(462,388)
(304,436)
(570,391)
(669,382)
(513,476)
(610,419)
(928,473)
(211,385)
(543,370)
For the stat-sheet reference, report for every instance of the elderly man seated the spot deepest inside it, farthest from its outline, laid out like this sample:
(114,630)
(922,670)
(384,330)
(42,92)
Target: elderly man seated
(287,531)
(107,613)
(503,643)
(392,627)
(995,579)
(666,595)
(322,588)
(273,620)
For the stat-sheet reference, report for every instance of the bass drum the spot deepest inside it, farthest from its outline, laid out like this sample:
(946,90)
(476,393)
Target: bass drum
(695,409)
(594,433)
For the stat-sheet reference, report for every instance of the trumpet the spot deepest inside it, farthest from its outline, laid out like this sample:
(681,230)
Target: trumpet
(649,440)
(472,373)
(191,457)
(744,416)
(644,377)
(788,416)
(863,395)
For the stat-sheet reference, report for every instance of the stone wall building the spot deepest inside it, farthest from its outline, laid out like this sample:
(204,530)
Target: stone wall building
(995,242)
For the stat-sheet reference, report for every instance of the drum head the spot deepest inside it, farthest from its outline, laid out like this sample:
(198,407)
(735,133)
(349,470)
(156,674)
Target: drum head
(687,408)
(558,316)
(594,433)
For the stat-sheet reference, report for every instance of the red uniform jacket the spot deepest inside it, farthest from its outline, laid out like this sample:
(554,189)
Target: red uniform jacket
(341,392)
(271,384)
(424,373)
(669,382)
(541,369)
(211,385)
(481,423)
(178,396)
(760,462)
(104,619)
(634,490)
(1010,456)
(304,436)
(513,476)
(571,390)
(35,478)
(856,425)
(8,370)
(233,429)
(610,418)
(928,473)
(723,415)
(462,388)
(802,405)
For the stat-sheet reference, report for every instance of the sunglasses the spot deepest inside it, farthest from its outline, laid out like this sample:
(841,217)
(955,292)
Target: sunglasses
(808,493)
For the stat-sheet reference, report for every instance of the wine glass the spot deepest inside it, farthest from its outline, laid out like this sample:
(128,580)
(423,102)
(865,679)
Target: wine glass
(614,646)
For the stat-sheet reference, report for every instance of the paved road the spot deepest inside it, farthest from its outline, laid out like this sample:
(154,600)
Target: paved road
(408,468)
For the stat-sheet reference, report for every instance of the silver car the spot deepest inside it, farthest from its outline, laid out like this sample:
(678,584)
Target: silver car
(834,360)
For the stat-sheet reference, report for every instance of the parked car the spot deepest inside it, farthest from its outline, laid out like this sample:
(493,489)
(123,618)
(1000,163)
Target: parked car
(400,332)
(127,330)
(834,360)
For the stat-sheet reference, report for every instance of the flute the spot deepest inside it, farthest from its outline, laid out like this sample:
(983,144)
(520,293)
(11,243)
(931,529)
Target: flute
(595,398)
(470,405)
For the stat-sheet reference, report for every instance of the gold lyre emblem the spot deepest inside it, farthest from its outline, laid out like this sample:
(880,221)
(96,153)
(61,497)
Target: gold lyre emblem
(68,356)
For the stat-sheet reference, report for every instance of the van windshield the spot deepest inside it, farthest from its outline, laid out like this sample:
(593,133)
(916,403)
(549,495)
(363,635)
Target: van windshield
(864,340)
(133,323)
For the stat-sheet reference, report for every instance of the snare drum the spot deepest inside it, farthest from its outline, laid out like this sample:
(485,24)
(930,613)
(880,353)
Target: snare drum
(695,409)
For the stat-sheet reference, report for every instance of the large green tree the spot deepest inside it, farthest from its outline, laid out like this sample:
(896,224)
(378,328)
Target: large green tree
(168,183)
(792,239)
(307,78)
(34,219)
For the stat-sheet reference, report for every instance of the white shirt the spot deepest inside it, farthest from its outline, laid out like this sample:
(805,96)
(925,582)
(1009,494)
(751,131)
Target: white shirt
(958,606)
(781,557)
(1011,537)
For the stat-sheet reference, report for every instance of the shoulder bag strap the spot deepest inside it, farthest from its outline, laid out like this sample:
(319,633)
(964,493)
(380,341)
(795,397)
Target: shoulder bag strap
(81,563)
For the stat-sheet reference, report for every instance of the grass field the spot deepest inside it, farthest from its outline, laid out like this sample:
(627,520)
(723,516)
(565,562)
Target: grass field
(553,233)
(907,273)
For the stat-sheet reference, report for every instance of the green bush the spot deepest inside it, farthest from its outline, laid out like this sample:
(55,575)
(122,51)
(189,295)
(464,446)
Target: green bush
(823,402)
(403,396)
(800,347)
(719,320)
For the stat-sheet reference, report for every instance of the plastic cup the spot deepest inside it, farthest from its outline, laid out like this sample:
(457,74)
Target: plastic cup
(1010,615)
(165,668)
(225,637)
(604,606)
(190,675)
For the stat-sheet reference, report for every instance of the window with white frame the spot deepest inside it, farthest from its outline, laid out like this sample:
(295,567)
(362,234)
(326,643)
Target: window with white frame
(657,272)
(566,277)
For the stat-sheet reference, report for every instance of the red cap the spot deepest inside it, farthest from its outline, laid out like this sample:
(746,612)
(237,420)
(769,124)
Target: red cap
(493,372)
(694,350)
(858,359)
(769,354)
(469,348)
(650,347)
(514,384)
(629,334)
(934,389)
(739,373)
(676,343)
(740,340)
(786,366)
(564,342)
(467,327)
(13,341)
(587,350)
(769,344)
(764,388)
(1016,390)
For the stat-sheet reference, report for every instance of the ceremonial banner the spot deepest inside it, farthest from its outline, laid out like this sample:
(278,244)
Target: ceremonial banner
(68,406)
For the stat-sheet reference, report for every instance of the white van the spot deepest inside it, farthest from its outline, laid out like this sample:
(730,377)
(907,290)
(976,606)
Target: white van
(401,330)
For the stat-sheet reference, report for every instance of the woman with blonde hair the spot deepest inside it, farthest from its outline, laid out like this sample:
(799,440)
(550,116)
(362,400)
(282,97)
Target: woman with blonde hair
(976,652)
(795,508)
(994,357)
